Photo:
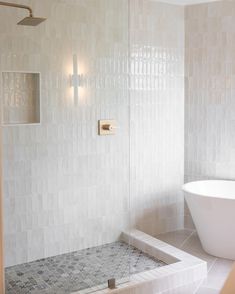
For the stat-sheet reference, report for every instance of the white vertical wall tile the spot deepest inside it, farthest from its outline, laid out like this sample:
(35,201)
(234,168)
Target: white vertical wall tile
(65,188)
(209,89)
(157,115)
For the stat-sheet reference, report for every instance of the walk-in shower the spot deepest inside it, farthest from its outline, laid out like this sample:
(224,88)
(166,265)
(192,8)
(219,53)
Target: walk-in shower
(31,20)
(64,232)
(92,124)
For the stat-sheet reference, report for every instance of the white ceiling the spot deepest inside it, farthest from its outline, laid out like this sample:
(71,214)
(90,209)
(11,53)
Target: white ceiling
(186,2)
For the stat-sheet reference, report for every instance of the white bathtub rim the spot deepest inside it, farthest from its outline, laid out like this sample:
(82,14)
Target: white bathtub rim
(190,188)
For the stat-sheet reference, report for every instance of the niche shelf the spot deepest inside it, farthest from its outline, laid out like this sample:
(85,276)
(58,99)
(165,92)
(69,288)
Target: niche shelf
(20,98)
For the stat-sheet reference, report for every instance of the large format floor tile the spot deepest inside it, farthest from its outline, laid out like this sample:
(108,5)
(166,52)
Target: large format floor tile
(218,273)
(205,290)
(176,238)
(218,268)
(194,247)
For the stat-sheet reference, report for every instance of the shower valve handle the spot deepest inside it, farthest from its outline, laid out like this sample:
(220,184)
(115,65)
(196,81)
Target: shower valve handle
(109,127)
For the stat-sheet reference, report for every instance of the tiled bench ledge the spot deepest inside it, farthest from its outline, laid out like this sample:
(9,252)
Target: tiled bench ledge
(182,268)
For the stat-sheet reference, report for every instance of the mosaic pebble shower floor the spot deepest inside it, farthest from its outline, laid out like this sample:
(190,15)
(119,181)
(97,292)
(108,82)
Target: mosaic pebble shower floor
(76,271)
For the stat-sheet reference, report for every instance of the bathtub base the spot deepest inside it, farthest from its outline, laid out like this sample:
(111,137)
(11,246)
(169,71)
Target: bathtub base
(213,215)
(217,234)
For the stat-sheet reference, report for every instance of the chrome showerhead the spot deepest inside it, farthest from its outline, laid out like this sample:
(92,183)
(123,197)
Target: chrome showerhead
(31,21)
(27,21)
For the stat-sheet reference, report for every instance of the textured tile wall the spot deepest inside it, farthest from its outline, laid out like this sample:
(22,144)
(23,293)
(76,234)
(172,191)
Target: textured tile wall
(21,97)
(157,115)
(65,188)
(209,94)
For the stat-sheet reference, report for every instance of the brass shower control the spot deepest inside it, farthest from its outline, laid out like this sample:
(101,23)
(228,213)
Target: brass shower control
(107,127)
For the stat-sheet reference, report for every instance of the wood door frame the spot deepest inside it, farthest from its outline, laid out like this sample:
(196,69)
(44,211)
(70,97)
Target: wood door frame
(2,278)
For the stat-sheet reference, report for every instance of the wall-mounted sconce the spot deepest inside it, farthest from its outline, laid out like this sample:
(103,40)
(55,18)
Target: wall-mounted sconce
(76,79)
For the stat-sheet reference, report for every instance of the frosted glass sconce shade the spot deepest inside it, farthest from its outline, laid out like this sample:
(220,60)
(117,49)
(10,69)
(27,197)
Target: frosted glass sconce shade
(75,79)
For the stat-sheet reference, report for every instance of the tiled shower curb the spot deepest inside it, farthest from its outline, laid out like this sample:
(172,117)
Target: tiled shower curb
(182,268)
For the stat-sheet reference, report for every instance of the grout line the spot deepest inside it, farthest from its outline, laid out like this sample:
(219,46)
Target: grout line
(213,263)
(196,290)
(200,284)
(183,243)
(209,269)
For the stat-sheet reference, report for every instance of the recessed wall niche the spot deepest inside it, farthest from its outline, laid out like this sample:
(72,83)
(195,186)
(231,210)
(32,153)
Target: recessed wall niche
(20,98)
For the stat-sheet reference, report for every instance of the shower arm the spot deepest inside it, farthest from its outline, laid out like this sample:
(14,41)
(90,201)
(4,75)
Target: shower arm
(18,6)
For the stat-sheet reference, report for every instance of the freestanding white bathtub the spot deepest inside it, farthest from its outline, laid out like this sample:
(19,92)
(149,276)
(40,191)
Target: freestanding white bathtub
(212,206)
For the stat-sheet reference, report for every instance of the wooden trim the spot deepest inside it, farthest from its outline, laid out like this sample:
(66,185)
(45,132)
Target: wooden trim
(2,278)
(229,286)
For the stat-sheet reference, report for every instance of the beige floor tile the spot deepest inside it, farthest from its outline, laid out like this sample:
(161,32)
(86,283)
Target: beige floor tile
(176,238)
(194,242)
(218,268)
(205,290)
(193,246)
(218,273)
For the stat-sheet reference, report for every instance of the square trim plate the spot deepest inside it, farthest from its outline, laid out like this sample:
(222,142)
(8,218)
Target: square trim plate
(107,127)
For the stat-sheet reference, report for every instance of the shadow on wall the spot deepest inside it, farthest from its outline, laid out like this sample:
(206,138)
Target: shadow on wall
(163,214)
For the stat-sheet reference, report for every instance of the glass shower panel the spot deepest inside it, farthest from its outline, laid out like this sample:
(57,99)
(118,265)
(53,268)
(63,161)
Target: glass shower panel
(66,134)
(103,102)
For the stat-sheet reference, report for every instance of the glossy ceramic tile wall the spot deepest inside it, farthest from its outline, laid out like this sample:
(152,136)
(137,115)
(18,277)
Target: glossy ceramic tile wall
(65,187)
(210,89)
(21,97)
(157,115)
